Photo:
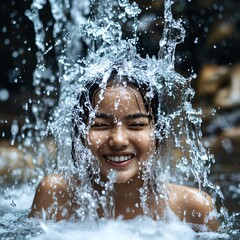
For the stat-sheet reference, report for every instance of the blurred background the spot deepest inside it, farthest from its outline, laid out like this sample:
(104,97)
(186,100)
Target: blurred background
(211,50)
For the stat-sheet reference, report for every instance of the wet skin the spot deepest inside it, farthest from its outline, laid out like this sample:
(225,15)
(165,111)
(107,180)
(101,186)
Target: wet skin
(121,136)
(121,139)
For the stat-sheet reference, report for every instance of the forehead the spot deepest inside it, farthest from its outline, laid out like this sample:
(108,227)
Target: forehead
(117,98)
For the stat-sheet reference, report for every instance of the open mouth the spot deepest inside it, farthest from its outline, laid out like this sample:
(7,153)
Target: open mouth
(119,159)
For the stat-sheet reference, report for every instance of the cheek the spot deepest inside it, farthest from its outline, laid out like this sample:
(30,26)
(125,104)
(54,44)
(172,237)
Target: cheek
(151,143)
(152,140)
(145,140)
(97,139)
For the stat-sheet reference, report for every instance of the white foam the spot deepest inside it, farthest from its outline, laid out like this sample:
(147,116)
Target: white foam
(137,229)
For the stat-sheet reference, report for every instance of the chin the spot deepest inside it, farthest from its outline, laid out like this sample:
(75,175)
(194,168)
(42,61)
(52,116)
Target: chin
(121,180)
(121,177)
(125,179)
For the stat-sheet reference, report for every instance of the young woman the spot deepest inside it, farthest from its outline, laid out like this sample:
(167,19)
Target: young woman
(117,121)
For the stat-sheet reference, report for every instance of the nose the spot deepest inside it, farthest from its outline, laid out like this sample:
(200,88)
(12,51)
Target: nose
(119,138)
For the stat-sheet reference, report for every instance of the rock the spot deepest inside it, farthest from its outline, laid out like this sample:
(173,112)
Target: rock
(210,79)
(14,166)
(225,146)
(221,84)
(220,30)
(17,166)
(229,96)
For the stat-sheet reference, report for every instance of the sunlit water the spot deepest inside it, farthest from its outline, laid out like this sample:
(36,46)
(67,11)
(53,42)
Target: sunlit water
(103,35)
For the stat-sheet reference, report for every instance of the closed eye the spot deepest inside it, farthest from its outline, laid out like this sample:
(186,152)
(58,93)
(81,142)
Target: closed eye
(100,126)
(137,126)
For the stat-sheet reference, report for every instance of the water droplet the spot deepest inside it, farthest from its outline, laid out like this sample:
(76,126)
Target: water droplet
(15,54)
(196,40)
(14,131)
(25,106)
(4,94)
(213,111)
(7,41)
(4,29)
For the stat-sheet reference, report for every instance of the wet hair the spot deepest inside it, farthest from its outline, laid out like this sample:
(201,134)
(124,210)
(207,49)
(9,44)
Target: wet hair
(150,104)
(83,110)
(162,96)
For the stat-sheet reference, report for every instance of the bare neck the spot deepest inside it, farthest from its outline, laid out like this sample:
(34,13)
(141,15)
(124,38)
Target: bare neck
(126,198)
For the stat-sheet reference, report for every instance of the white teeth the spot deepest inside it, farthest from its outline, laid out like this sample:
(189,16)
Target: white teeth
(119,158)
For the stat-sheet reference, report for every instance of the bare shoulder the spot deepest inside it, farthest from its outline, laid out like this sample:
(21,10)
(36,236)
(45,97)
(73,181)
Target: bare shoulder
(53,181)
(192,205)
(53,198)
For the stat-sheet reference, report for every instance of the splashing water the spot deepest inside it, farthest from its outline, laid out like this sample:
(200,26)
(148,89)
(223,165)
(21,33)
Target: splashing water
(98,25)
(102,32)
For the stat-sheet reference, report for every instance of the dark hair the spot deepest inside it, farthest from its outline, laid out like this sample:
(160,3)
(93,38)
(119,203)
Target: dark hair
(162,93)
(143,88)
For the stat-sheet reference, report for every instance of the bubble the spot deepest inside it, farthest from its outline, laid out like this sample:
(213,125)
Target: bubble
(4,95)
(7,41)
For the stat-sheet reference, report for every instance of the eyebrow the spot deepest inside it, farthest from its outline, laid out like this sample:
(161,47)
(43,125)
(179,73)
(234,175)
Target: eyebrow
(131,116)
(139,115)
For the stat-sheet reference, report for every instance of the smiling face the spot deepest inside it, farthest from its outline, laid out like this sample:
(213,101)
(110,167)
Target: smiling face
(121,136)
